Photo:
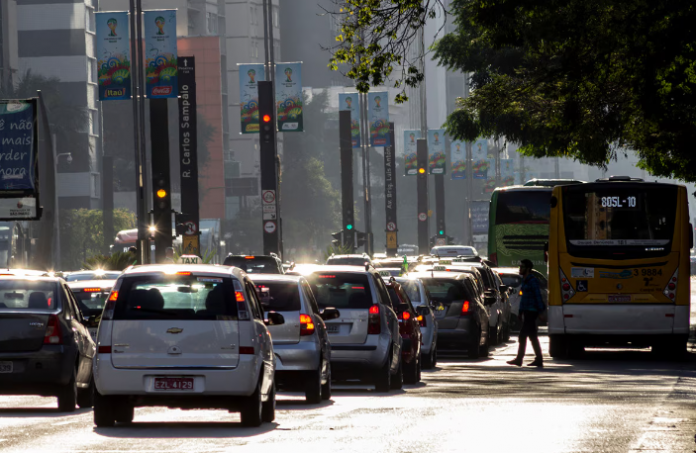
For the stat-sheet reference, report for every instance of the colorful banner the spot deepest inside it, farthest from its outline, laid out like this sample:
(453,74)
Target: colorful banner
(378,118)
(410,152)
(458,159)
(249,76)
(351,103)
(161,56)
(437,158)
(507,172)
(289,99)
(18,148)
(113,56)
(479,156)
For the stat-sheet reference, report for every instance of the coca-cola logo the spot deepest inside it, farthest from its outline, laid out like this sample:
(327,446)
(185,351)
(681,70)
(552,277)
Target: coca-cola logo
(161,91)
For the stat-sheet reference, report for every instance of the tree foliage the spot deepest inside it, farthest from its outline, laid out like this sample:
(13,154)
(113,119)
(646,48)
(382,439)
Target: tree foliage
(575,78)
(117,261)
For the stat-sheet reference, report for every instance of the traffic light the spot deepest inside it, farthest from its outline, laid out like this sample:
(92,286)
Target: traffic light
(361,237)
(266,112)
(337,238)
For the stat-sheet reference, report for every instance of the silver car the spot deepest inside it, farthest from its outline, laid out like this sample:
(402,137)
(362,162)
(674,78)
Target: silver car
(365,339)
(422,301)
(301,345)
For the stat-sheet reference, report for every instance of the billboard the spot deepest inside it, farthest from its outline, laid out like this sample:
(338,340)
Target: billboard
(479,158)
(249,75)
(18,148)
(289,99)
(458,159)
(161,54)
(507,172)
(479,216)
(351,103)
(113,56)
(437,158)
(410,156)
(378,118)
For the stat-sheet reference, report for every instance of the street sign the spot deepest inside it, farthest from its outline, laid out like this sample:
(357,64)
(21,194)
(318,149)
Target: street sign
(269,216)
(268,196)
(191,228)
(269,227)
(440,241)
(269,208)
(422,216)
(188,259)
(191,245)
(391,226)
(391,240)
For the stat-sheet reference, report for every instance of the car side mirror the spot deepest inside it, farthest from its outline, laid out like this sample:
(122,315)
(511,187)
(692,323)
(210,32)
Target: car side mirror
(93,321)
(422,310)
(489,300)
(330,313)
(503,288)
(274,319)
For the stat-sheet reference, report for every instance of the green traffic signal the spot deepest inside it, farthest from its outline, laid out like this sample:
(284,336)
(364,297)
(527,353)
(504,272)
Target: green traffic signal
(442,232)
(349,227)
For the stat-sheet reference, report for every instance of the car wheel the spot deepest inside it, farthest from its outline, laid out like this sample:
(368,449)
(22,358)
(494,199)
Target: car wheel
(313,386)
(474,346)
(124,412)
(492,334)
(383,378)
(397,381)
(426,360)
(103,411)
(268,408)
(484,349)
(85,397)
(418,375)
(253,406)
(411,372)
(67,397)
(433,361)
(326,388)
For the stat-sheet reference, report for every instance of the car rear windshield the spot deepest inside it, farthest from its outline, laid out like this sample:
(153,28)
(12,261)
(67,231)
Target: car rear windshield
(28,295)
(282,296)
(176,297)
(511,280)
(445,290)
(394,296)
(253,265)
(341,290)
(411,289)
(91,302)
(84,276)
(523,206)
(347,261)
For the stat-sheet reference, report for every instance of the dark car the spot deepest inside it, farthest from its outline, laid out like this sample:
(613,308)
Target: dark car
(409,328)
(91,296)
(45,348)
(256,264)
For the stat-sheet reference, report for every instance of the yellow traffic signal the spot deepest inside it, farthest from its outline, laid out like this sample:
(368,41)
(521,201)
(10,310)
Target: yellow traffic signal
(421,170)
(161,193)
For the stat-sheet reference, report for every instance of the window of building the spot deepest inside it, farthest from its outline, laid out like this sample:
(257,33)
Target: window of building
(92,70)
(253,14)
(89,21)
(94,122)
(254,49)
(95,186)
(212,20)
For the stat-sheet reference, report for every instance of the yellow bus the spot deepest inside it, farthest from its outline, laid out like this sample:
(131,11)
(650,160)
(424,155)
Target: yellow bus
(618,266)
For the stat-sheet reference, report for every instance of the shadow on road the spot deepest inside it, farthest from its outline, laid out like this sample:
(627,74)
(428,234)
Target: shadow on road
(38,412)
(300,405)
(147,430)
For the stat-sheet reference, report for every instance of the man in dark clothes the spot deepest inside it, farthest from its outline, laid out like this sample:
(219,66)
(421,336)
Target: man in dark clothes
(531,305)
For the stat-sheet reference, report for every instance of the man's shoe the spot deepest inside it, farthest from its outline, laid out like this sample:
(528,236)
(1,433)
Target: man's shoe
(537,363)
(516,362)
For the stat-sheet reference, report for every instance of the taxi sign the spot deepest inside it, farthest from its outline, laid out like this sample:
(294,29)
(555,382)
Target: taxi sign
(188,259)
(445,261)
(439,268)
(458,260)
(385,273)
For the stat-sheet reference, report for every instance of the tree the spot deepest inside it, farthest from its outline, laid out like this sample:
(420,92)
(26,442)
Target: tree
(574,78)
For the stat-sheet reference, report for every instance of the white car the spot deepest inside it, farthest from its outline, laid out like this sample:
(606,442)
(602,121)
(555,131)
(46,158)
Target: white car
(184,336)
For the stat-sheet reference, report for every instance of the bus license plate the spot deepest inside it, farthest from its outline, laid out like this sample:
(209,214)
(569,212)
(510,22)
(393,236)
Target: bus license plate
(173,383)
(6,367)
(620,298)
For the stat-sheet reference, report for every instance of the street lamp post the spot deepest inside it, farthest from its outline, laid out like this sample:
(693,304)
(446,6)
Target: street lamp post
(56,156)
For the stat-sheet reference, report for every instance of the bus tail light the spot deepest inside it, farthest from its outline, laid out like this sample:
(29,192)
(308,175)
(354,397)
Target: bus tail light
(373,321)
(671,288)
(567,290)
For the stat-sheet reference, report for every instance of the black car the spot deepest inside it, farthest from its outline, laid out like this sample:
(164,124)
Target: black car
(256,264)
(45,348)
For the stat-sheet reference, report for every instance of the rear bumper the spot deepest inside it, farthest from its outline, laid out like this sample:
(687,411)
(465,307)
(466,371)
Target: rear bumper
(240,381)
(457,337)
(370,355)
(428,340)
(41,372)
(302,356)
(632,340)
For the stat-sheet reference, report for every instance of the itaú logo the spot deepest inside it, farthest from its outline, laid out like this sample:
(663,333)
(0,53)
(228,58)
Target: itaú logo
(161,91)
(115,93)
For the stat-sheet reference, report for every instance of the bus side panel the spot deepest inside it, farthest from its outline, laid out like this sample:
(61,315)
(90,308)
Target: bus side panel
(492,244)
(556,320)
(682,310)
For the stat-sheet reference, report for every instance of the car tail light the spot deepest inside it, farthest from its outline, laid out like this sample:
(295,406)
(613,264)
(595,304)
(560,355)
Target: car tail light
(493,257)
(465,307)
(671,288)
(374,325)
(239,296)
(567,290)
(104,350)
(306,325)
(91,290)
(421,321)
(405,316)
(183,273)
(53,333)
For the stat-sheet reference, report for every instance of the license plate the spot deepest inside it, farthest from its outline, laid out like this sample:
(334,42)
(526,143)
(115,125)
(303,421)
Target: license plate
(173,383)
(6,367)
(333,328)
(620,298)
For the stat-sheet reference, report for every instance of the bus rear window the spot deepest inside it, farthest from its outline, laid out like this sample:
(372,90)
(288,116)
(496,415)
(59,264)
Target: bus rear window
(531,207)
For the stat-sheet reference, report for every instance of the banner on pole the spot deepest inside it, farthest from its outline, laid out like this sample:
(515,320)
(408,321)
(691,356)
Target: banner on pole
(351,102)
(161,54)
(479,158)
(378,118)
(479,216)
(113,56)
(289,99)
(249,76)
(437,158)
(18,148)
(458,159)
(410,156)
(507,172)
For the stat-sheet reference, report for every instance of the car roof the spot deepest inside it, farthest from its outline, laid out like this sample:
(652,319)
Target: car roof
(351,255)
(24,272)
(345,269)
(91,284)
(195,268)
(276,278)
(40,278)
(441,274)
(506,270)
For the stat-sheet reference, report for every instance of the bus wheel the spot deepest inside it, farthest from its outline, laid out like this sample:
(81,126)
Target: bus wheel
(673,349)
(558,346)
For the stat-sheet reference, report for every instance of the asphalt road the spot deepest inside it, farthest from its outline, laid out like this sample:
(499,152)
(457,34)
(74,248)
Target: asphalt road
(613,401)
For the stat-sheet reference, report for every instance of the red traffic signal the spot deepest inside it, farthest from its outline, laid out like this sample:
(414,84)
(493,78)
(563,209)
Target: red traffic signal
(266,118)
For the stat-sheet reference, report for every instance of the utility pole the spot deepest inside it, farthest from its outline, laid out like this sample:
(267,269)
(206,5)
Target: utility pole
(347,209)
(422,195)
(497,163)
(469,178)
